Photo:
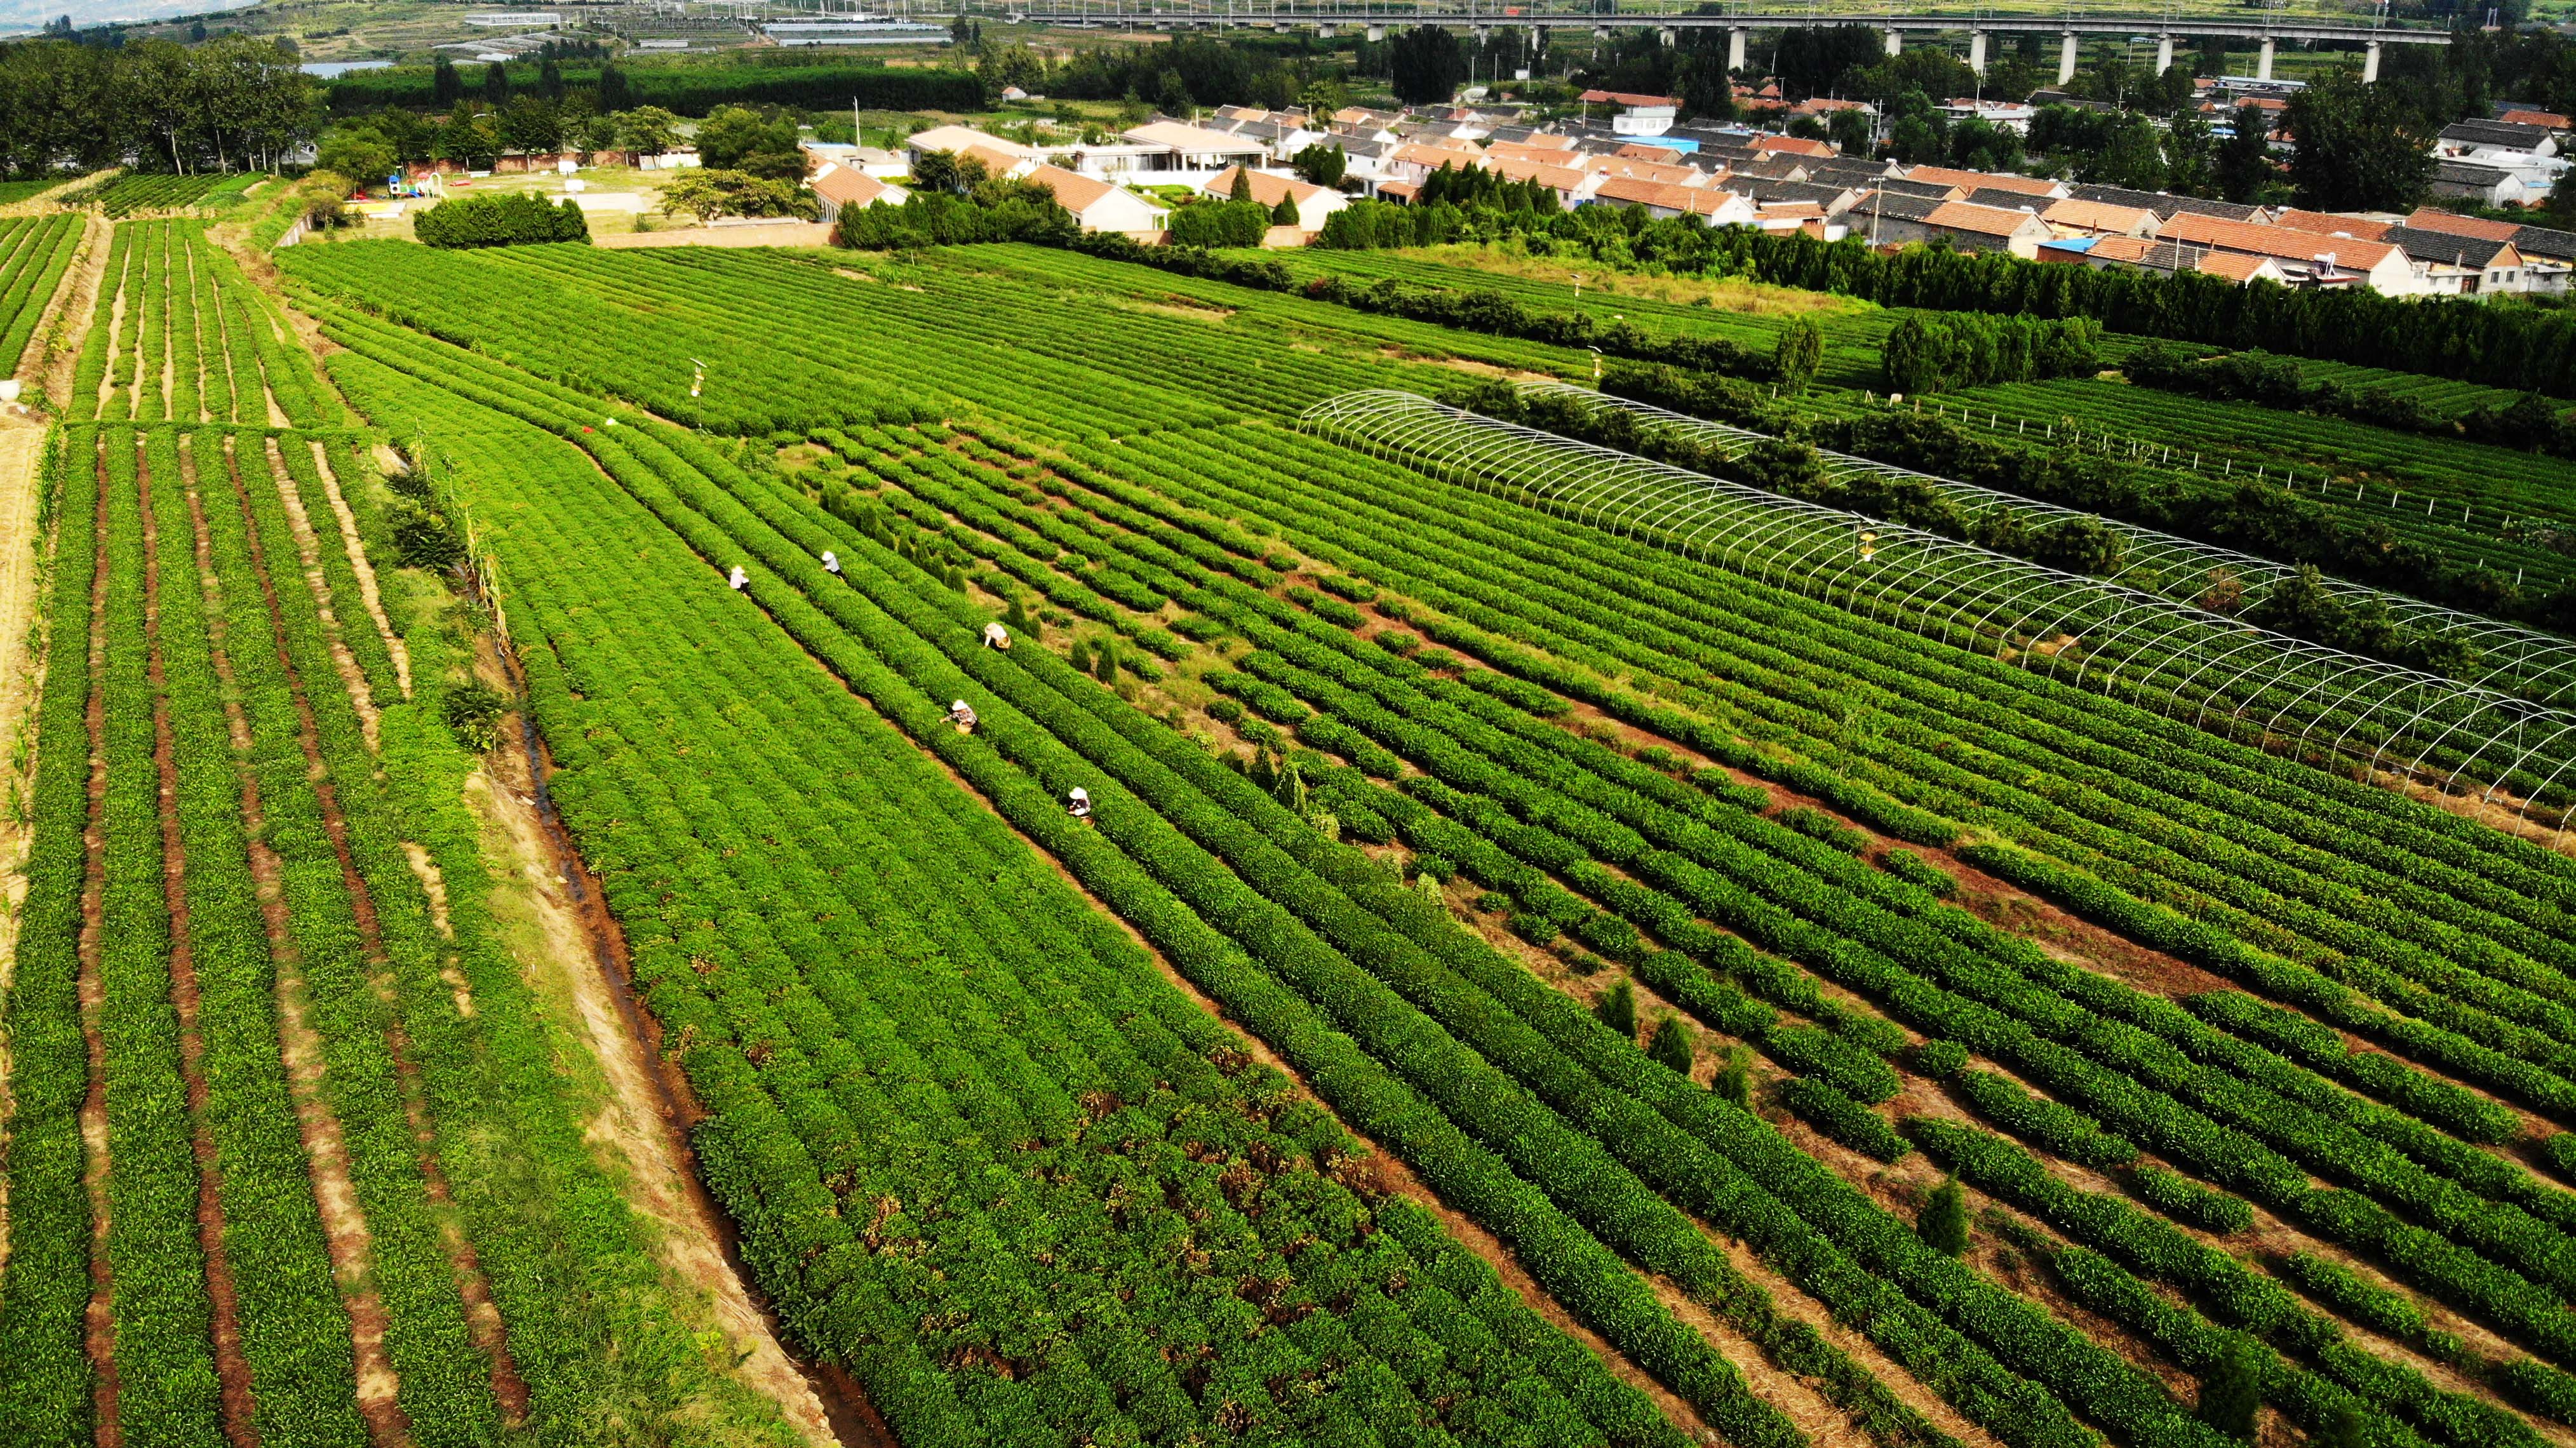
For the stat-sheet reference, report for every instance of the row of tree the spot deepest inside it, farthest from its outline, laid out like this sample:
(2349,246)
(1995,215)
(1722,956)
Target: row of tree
(234,103)
(759,143)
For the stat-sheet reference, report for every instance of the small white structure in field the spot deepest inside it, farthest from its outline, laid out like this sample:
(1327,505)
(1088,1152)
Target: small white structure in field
(737,578)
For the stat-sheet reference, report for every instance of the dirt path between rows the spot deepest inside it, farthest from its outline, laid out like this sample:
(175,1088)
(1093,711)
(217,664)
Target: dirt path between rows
(99,1325)
(78,306)
(35,365)
(483,1317)
(232,1370)
(639,1125)
(369,591)
(308,551)
(344,1222)
(22,682)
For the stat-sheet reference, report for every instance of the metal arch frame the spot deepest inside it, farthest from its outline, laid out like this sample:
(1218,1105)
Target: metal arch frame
(2514,659)
(2432,749)
(2130,636)
(2521,724)
(2566,815)
(2510,769)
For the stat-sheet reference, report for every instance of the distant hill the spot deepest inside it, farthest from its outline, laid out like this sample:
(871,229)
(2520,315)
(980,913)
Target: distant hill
(19,17)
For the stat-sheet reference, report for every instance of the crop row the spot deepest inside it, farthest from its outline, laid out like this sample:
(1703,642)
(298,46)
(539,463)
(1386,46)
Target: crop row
(1454,996)
(1071,1013)
(1404,720)
(34,255)
(189,316)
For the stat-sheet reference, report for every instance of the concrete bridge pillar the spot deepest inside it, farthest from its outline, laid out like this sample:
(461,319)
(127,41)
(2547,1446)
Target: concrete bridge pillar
(1538,42)
(1977,51)
(1735,48)
(1479,32)
(1664,37)
(2370,63)
(1376,33)
(1325,30)
(2066,58)
(2164,53)
(1601,32)
(1895,41)
(2263,67)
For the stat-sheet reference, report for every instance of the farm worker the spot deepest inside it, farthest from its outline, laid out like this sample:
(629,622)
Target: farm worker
(737,578)
(996,636)
(962,716)
(831,564)
(1080,803)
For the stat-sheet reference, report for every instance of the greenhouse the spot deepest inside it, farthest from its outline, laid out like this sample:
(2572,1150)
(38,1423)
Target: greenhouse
(2285,694)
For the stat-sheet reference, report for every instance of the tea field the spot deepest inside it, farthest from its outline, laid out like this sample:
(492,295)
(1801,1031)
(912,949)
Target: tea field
(1376,960)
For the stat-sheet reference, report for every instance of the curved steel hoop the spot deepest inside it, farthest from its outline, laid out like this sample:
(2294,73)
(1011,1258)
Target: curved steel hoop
(2104,634)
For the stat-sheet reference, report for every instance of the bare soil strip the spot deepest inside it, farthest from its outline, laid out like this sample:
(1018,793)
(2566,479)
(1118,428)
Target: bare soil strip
(483,1318)
(344,1223)
(22,674)
(308,550)
(78,302)
(231,1368)
(361,565)
(36,363)
(639,1124)
(99,1332)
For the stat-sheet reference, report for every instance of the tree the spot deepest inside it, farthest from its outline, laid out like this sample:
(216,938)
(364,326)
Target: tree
(2361,147)
(550,83)
(1285,213)
(1172,97)
(646,130)
(1425,65)
(446,88)
(737,138)
(1242,188)
(1915,141)
(1618,1008)
(1733,1082)
(510,220)
(1671,1046)
(1982,145)
(1104,662)
(530,126)
(935,171)
(2077,544)
(1798,353)
(2132,159)
(2232,1394)
(496,85)
(614,93)
(469,140)
(2244,164)
(1849,130)
(360,153)
(2347,1427)
(1291,792)
(2190,156)
(1943,1224)
(1322,165)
